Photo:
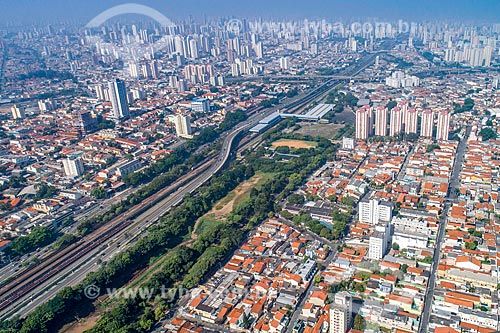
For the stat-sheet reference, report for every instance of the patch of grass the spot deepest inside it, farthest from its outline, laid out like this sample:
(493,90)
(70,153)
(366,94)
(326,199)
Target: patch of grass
(225,200)
(233,199)
(327,131)
(207,222)
(263,178)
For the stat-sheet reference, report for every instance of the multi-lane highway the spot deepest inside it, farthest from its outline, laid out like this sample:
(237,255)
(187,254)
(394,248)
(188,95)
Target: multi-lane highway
(40,283)
(68,267)
(39,278)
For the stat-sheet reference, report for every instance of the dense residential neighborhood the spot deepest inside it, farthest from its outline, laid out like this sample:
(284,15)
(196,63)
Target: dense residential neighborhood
(276,173)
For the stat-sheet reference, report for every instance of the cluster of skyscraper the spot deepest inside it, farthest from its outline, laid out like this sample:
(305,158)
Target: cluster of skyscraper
(198,73)
(401,119)
(399,79)
(473,55)
(147,70)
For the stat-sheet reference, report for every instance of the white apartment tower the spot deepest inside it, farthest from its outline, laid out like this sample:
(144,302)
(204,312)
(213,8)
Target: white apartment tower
(403,105)
(396,121)
(259,50)
(182,126)
(379,241)
(411,124)
(118,96)
(73,167)
(193,48)
(133,69)
(284,63)
(17,112)
(341,313)
(101,92)
(373,211)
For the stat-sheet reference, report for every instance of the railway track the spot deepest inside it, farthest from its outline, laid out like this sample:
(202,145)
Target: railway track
(60,260)
(49,267)
(52,265)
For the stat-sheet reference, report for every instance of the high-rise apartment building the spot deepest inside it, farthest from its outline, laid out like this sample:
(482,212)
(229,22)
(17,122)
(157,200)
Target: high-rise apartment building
(284,63)
(200,105)
(381,114)
(73,167)
(373,211)
(118,96)
(182,126)
(363,123)
(427,125)
(411,124)
(17,112)
(133,69)
(341,313)
(396,126)
(379,241)
(84,121)
(443,125)
(101,92)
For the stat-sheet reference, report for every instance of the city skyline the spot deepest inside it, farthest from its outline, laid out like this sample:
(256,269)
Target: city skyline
(58,10)
(270,167)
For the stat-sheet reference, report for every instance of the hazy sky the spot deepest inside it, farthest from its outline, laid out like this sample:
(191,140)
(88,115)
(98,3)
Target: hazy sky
(50,10)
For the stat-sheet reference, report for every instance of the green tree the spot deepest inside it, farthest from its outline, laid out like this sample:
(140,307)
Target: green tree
(359,323)
(318,279)
(487,133)
(44,191)
(64,240)
(427,260)
(358,287)
(296,199)
(295,179)
(471,245)
(430,148)
(292,93)
(38,237)
(98,193)
(391,105)
(348,201)
(286,214)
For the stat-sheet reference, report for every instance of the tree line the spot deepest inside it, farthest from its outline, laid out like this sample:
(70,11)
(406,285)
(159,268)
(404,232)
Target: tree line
(162,173)
(186,266)
(189,266)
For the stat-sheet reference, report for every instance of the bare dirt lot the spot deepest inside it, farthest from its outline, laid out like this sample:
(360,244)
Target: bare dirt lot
(81,326)
(298,144)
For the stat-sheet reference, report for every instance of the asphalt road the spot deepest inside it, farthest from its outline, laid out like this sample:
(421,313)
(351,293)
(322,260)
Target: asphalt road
(76,272)
(454,183)
(352,70)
